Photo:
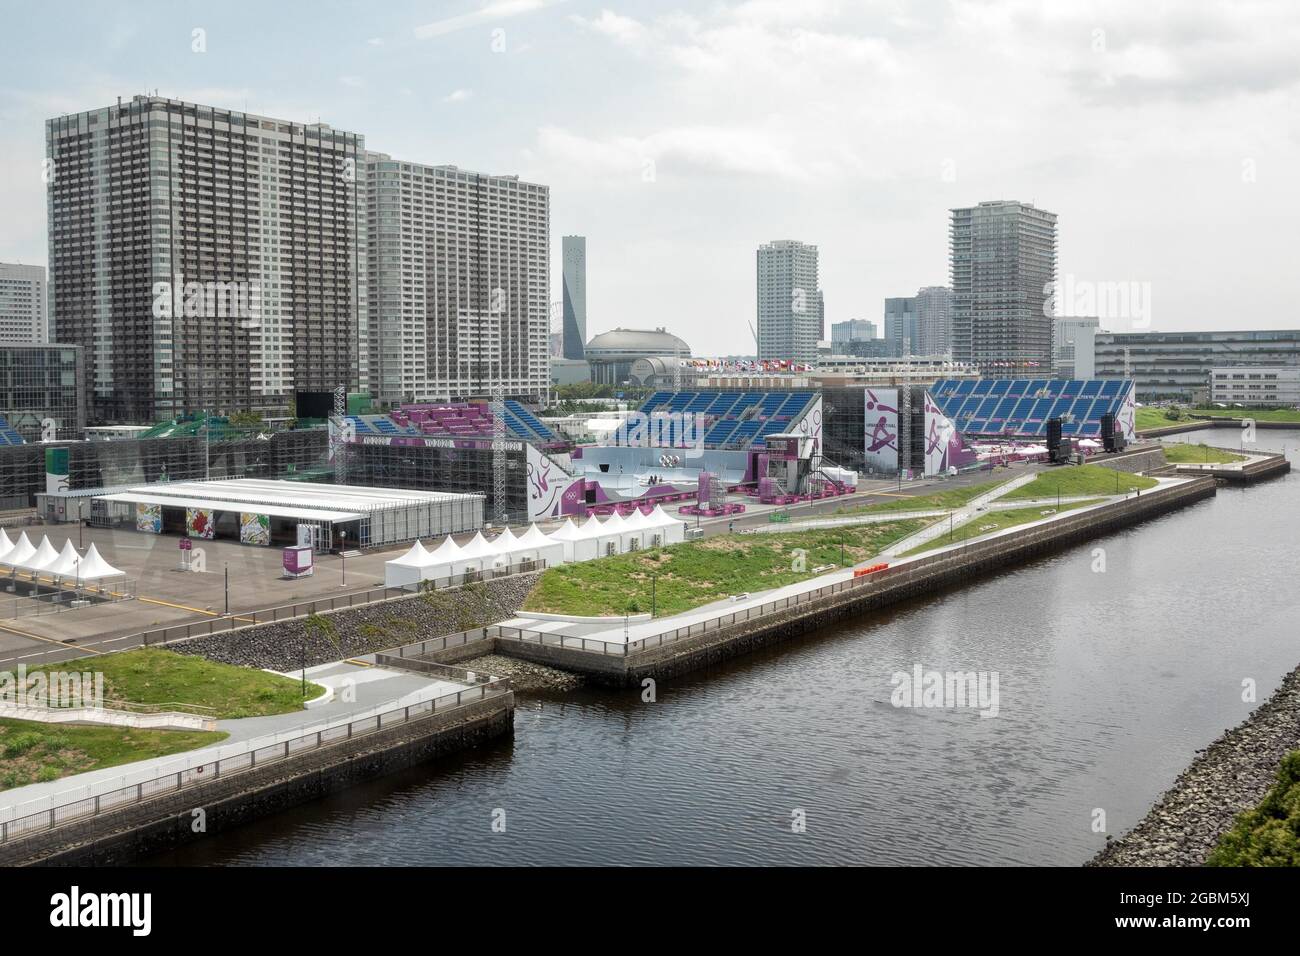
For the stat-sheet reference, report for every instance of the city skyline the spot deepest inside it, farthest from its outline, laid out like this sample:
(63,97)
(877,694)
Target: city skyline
(647,171)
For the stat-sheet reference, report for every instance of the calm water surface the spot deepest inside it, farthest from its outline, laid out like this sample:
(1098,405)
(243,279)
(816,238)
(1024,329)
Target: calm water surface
(1109,683)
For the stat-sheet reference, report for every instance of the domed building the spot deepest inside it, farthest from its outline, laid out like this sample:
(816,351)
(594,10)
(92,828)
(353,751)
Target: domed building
(613,353)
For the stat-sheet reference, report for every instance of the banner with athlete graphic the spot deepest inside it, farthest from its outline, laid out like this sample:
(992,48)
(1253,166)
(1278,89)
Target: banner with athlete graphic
(880,442)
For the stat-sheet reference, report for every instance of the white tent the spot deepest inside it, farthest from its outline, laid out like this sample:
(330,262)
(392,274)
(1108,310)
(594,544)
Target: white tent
(577,545)
(604,535)
(505,542)
(45,556)
(630,535)
(95,568)
(674,529)
(5,545)
(408,569)
(20,553)
(441,560)
(478,555)
(68,563)
(533,545)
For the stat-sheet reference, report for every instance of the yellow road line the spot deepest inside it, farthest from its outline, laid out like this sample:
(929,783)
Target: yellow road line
(196,610)
(48,640)
(359,663)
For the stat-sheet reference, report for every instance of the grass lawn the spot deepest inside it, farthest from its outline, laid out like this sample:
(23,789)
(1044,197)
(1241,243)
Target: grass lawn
(1074,480)
(1147,418)
(152,676)
(698,572)
(1258,414)
(1184,453)
(33,752)
(991,521)
(938,500)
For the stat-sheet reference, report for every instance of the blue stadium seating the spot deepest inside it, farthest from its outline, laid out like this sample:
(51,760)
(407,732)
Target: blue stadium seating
(8,434)
(733,419)
(1021,407)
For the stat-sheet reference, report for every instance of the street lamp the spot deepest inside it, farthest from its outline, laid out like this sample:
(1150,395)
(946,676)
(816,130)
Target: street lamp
(343,556)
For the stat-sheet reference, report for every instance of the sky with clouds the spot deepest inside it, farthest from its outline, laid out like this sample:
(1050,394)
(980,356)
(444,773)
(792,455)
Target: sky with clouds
(677,135)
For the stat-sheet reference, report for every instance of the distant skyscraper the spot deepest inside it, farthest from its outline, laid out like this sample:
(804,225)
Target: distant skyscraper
(22,304)
(1003,262)
(205,259)
(854,330)
(460,297)
(901,333)
(575,296)
(790,308)
(934,320)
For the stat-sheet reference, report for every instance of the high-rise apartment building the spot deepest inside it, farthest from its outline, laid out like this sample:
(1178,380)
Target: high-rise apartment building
(22,304)
(206,259)
(575,296)
(459,266)
(934,320)
(790,307)
(1003,266)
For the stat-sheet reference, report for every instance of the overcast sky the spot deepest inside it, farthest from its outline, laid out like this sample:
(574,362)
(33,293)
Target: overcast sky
(677,136)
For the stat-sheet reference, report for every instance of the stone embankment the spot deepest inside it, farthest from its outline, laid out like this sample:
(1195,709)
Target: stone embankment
(1228,777)
(524,675)
(349,632)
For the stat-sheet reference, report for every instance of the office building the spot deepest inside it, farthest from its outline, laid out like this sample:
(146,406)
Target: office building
(42,393)
(1072,346)
(205,258)
(1003,267)
(1177,365)
(790,307)
(901,333)
(22,304)
(854,330)
(459,265)
(1256,386)
(575,296)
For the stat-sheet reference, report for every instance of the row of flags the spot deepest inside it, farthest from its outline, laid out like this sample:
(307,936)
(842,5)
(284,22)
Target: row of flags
(749,365)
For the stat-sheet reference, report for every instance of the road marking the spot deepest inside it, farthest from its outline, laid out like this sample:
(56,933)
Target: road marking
(359,663)
(48,640)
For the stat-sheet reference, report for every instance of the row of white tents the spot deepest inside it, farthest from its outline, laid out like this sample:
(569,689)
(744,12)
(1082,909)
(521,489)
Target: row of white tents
(43,561)
(569,543)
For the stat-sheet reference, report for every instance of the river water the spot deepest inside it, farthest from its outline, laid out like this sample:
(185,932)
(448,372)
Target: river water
(1108,683)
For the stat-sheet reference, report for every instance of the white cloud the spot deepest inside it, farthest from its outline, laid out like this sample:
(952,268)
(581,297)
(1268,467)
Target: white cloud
(355,82)
(458,96)
(492,12)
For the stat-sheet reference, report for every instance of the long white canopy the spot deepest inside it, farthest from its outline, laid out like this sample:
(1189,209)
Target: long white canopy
(567,532)
(445,553)
(415,557)
(478,548)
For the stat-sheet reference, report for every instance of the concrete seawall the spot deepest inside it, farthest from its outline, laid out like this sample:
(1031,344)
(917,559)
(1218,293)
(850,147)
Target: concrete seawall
(121,836)
(912,578)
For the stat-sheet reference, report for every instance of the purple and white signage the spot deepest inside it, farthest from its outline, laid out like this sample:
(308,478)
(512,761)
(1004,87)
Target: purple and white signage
(880,441)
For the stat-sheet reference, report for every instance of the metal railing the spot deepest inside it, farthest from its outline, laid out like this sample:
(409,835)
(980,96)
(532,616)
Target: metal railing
(238,620)
(724,621)
(256,754)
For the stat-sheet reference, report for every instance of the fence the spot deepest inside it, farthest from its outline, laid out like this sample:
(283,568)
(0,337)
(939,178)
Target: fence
(287,612)
(56,598)
(255,754)
(1068,523)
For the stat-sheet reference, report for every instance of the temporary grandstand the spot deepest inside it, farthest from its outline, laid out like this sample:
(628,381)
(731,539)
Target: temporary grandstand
(730,419)
(1020,408)
(457,420)
(8,434)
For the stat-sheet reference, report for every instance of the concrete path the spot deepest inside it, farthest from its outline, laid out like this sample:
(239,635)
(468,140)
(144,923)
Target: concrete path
(959,516)
(376,689)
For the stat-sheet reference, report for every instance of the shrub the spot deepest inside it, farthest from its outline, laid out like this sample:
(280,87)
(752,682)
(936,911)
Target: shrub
(1269,835)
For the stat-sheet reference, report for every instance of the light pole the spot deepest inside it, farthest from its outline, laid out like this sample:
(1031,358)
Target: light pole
(227,587)
(343,556)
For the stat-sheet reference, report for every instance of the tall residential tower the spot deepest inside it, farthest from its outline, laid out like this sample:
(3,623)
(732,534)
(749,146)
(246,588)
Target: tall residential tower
(459,266)
(204,258)
(1003,262)
(790,308)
